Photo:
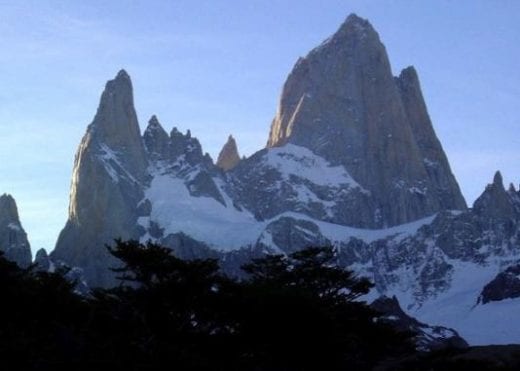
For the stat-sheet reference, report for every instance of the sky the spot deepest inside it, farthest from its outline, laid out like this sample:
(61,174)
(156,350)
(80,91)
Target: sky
(217,68)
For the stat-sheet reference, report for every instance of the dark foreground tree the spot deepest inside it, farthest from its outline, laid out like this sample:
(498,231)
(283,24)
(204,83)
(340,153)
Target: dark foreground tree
(294,312)
(302,315)
(40,318)
(297,312)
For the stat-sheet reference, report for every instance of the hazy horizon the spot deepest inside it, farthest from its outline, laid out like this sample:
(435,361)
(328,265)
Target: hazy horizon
(218,68)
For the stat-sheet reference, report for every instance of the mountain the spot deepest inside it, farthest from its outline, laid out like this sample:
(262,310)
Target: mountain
(107,182)
(342,102)
(13,239)
(352,161)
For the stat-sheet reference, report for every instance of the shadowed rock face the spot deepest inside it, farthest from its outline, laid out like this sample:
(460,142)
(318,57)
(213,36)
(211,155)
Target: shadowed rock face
(342,102)
(496,202)
(107,181)
(427,337)
(156,140)
(228,157)
(506,285)
(13,239)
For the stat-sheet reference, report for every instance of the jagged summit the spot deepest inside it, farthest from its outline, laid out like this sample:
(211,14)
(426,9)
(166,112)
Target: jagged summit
(156,140)
(8,209)
(498,181)
(13,239)
(115,127)
(342,102)
(122,74)
(228,157)
(355,26)
(154,122)
(408,75)
(495,202)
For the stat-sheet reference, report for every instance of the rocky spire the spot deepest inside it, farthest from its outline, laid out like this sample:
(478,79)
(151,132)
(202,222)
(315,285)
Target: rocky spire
(13,239)
(156,140)
(107,183)
(8,209)
(498,181)
(495,202)
(228,157)
(342,102)
(115,124)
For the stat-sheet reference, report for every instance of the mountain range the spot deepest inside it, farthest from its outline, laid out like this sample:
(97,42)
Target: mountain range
(351,160)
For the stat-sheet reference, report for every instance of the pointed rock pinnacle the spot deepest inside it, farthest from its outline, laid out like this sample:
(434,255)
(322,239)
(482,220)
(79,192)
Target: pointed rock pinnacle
(228,157)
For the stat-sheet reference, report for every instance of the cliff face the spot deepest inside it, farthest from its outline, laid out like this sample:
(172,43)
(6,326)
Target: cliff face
(13,239)
(342,102)
(107,180)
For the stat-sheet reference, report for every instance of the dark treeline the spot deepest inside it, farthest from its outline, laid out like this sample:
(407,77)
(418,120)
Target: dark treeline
(296,312)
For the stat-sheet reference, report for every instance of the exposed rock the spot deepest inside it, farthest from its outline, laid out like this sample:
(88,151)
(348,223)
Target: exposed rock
(42,260)
(427,338)
(107,183)
(342,102)
(228,157)
(496,202)
(156,140)
(289,235)
(292,178)
(13,239)
(506,285)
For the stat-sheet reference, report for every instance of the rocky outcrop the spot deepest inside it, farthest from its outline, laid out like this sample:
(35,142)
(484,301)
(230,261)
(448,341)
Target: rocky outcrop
(228,157)
(426,337)
(292,178)
(156,140)
(506,285)
(342,102)
(496,202)
(13,239)
(43,261)
(107,183)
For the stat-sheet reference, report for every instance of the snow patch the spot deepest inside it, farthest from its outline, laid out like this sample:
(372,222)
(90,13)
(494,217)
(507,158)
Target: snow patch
(291,160)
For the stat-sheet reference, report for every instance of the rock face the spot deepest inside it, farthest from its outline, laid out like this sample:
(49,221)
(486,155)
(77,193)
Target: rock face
(13,239)
(107,182)
(496,202)
(506,285)
(342,102)
(42,260)
(427,338)
(228,157)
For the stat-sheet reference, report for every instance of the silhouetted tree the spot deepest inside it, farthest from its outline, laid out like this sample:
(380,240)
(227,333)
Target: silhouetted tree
(296,312)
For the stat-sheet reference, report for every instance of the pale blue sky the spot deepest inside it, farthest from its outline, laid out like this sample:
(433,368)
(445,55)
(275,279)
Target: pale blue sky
(217,67)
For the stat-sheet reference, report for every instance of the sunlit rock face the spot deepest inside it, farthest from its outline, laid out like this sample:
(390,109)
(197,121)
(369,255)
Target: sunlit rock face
(107,182)
(228,157)
(13,239)
(342,102)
